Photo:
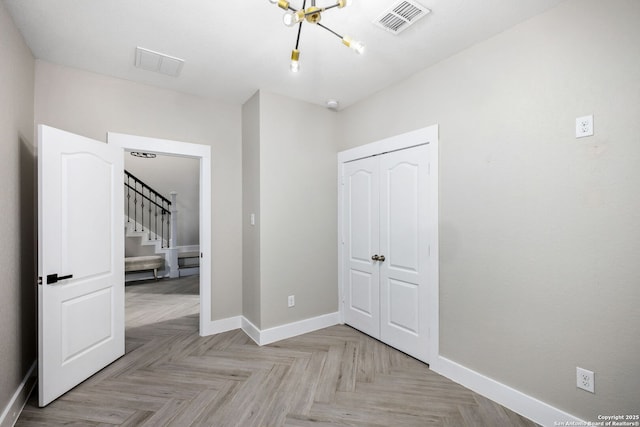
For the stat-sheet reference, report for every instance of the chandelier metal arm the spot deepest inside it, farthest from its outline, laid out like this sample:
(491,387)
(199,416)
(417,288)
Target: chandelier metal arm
(304,4)
(330,30)
(298,38)
(331,7)
(324,9)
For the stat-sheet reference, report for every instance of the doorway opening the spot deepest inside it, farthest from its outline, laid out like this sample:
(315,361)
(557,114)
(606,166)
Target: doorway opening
(202,153)
(162,248)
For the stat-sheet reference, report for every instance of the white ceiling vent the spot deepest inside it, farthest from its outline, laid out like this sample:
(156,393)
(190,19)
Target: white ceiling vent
(401,16)
(158,62)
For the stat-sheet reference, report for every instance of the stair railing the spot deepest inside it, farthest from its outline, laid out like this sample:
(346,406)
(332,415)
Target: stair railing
(145,199)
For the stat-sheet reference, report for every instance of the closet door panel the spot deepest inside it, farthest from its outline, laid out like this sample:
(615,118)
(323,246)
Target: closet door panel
(403,242)
(361,236)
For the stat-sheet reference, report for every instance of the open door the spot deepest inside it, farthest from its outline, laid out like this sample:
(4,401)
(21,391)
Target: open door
(81,259)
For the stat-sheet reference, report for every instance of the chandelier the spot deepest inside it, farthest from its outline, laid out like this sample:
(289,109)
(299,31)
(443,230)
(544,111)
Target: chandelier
(312,15)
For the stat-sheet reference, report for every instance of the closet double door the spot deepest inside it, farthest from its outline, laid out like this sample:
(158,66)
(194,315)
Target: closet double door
(386,248)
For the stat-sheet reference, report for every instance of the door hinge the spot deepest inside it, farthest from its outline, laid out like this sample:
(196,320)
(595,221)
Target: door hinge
(39,280)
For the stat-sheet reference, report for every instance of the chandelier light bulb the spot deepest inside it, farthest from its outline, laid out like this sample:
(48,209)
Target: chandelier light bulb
(295,64)
(358,46)
(290,19)
(342,3)
(287,18)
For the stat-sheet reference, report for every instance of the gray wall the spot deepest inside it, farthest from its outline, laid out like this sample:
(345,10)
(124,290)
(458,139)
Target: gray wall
(539,231)
(251,205)
(289,172)
(17,227)
(298,207)
(92,105)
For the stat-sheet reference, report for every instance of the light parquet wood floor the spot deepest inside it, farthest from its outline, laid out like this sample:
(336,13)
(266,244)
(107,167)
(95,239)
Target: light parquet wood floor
(333,377)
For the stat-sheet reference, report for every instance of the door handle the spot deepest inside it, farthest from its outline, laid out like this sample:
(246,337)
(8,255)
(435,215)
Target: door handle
(375,257)
(53,278)
(381,258)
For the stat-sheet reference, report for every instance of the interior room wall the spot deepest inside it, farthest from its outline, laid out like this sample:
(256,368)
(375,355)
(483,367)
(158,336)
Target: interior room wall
(539,235)
(166,174)
(251,205)
(17,227)
(92,105)
(298,209)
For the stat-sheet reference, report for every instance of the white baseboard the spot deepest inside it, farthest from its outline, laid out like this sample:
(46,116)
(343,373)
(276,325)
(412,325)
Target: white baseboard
(277,333)
(251,330)
(525,405)
(218,326)
(271,335)
(19,399)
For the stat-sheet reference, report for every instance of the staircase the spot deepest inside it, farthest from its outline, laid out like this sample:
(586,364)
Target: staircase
(150,235)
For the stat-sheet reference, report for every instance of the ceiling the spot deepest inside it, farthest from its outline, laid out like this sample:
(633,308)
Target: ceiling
(233,48)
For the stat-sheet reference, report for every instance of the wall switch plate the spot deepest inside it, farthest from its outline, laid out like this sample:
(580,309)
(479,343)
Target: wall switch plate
(584,126)
(291,301)
(585,379)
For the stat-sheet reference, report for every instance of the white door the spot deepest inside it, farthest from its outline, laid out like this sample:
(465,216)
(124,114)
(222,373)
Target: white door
(81,259)
(404,323)
(386,248)
(361,272)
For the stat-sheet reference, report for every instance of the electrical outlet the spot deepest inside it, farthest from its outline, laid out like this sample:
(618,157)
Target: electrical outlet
(291,301)
(585,379)
(584,126)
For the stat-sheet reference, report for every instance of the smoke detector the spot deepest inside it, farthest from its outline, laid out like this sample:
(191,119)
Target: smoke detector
(401,16)
(333,104)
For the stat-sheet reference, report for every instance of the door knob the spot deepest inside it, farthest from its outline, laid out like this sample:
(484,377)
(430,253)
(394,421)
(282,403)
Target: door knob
(375,257)
(381,258)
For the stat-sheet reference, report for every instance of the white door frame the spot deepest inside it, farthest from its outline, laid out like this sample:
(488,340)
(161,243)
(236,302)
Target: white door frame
(203,153)
(428,135)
